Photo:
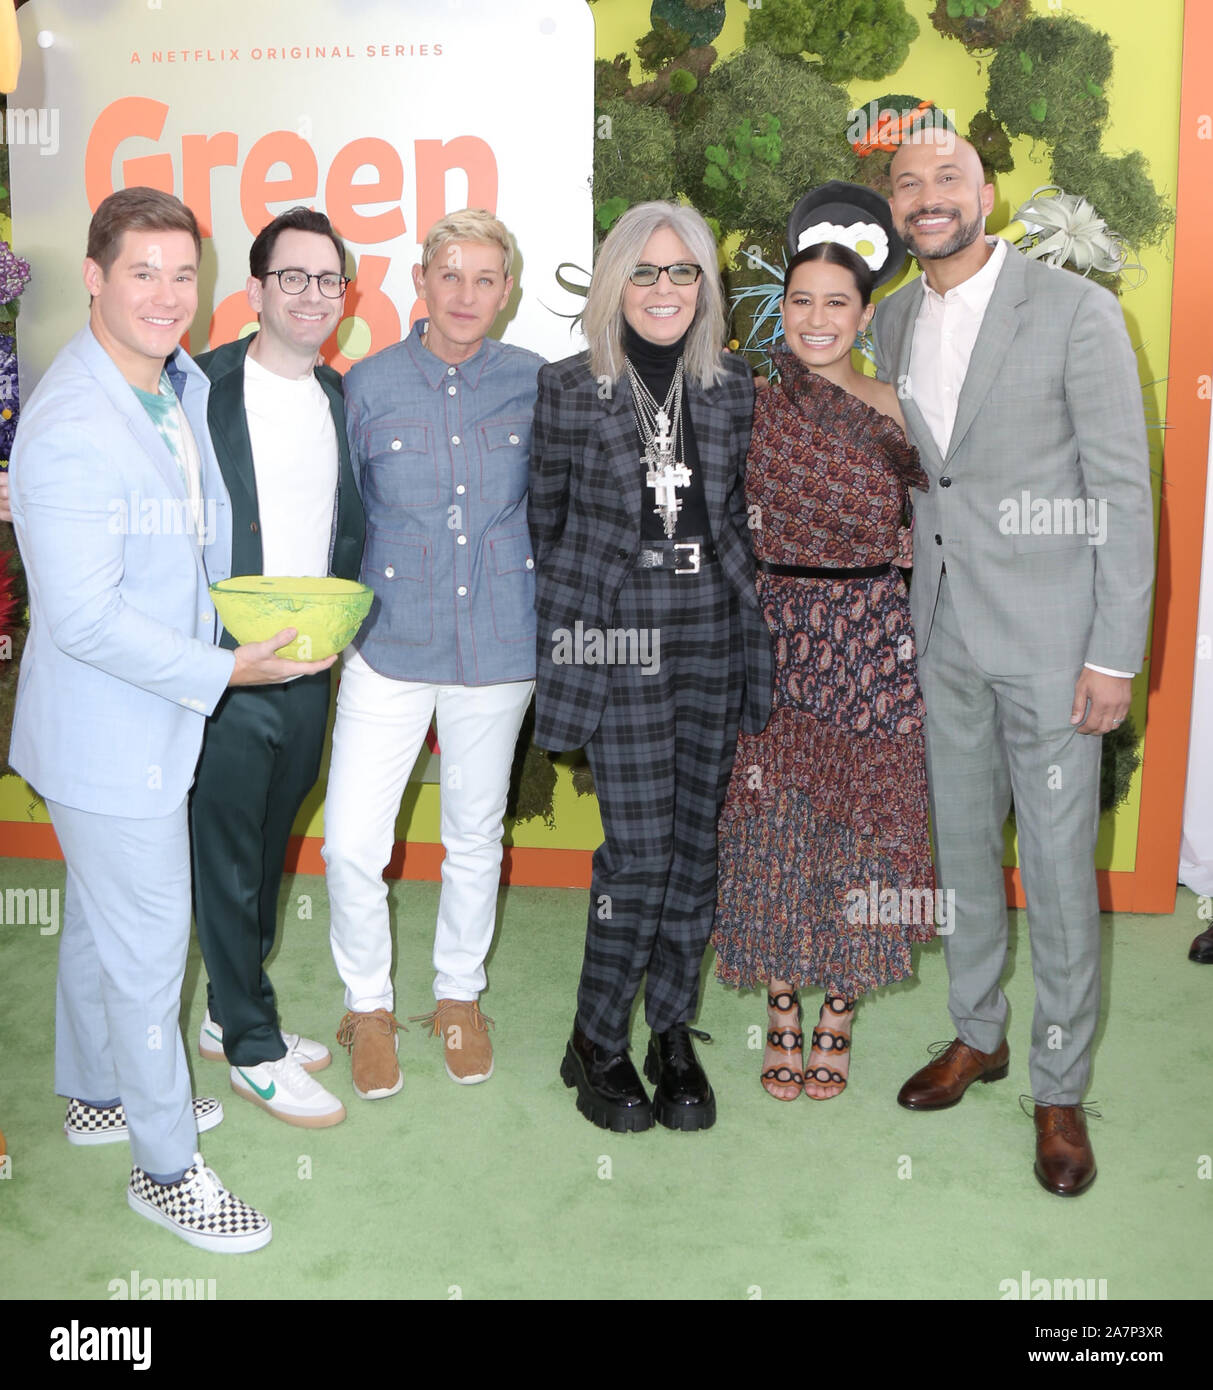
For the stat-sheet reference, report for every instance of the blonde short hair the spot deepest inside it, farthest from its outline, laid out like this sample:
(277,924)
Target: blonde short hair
(602,319)
(469,224)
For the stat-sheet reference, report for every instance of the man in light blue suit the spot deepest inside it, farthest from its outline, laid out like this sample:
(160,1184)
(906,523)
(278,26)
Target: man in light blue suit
(123,522)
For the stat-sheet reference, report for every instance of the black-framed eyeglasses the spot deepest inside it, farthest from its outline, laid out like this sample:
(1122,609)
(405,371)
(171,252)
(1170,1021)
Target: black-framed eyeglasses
(296,281)
(680,273)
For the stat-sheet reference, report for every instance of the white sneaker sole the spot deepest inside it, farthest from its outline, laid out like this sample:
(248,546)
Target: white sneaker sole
(471,1080)
(219,1245)
(384,1091)
(123,1135)
(306,1120)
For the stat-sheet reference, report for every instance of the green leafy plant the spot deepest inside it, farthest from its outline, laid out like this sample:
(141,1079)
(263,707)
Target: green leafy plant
(1120,760)
(1120,190)
(633,158)
(992,144)
(772,128)
(676,87)
(1048,82)
(979,24)
(848,38)
(661,45)
(608,213)
(532,779)
(736,159)
(612,78)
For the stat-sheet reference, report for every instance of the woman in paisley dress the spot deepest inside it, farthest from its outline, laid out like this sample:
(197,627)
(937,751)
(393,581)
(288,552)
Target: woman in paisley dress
(825,875)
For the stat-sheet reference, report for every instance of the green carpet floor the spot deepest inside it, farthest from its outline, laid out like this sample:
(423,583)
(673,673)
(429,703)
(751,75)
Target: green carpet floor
(503,1191)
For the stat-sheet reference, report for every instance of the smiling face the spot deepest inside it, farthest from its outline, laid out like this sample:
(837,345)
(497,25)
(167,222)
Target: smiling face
(146,302)
(940,198)
(464,287)
(822,312)
(295,325)
(663,312)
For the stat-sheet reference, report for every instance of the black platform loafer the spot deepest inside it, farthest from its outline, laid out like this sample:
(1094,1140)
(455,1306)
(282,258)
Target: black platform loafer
(682,1097)
(609,1093)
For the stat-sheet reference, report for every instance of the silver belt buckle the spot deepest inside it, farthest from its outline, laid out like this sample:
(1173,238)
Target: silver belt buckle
(694,547)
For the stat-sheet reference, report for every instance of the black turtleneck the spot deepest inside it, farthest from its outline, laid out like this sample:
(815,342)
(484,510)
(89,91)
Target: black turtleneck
(655,364)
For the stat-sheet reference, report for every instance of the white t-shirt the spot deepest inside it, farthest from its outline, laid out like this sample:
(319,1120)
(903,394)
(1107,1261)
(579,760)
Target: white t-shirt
(294,444)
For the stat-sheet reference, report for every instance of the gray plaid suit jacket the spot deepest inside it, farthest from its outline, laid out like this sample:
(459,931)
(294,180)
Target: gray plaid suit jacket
(584,513)
(1050,413)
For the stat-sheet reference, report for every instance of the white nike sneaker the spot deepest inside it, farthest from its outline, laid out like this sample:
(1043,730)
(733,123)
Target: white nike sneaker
(289,1093)
(310,1054)
(200,1210)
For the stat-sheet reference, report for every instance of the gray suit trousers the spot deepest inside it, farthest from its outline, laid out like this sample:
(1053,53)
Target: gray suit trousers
(991,738)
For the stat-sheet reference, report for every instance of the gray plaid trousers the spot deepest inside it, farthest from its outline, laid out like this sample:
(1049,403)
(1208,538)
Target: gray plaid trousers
(661,758)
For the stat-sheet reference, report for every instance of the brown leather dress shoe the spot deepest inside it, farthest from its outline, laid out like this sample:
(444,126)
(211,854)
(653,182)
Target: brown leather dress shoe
(1065,1164)
(1201,949)
(942,1082)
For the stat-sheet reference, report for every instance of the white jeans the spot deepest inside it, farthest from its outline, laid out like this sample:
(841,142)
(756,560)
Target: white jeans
(380,727)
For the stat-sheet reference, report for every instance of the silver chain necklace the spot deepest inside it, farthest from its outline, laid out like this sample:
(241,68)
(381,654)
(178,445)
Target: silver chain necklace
(660,429)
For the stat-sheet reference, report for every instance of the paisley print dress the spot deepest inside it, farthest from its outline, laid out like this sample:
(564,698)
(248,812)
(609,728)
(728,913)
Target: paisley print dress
(825,874)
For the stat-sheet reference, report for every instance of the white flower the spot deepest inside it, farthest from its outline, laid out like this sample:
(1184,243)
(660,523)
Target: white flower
(868,240)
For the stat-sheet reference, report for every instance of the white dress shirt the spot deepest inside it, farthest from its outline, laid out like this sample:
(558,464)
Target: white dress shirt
(944,334)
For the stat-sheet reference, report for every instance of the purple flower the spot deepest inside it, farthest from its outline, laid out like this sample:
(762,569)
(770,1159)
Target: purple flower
(9,406)
(14,274)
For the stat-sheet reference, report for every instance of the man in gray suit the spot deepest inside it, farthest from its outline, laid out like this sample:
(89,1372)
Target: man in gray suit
(1033,565)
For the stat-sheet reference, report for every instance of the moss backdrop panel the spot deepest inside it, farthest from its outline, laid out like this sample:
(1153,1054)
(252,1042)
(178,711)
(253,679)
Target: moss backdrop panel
(1085,94)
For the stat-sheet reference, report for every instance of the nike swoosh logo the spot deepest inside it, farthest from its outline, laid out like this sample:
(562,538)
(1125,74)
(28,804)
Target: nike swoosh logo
(266,1094)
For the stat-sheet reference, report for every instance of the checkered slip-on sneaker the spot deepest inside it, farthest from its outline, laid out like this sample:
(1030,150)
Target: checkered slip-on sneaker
(311,1055)
(93,1124)
(200,1210)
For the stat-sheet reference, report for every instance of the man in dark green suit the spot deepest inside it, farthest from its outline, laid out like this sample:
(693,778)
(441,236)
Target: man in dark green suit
(276,418)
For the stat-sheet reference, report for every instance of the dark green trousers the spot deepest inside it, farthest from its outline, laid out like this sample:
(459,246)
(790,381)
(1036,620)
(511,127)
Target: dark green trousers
(260,758)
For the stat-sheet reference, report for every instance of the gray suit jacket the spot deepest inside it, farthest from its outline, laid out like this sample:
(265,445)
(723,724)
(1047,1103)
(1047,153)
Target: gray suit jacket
(1041,507)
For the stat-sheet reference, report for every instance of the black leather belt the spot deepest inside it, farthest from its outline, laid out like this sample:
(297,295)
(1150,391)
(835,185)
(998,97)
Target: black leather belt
(683,557)
(824,571)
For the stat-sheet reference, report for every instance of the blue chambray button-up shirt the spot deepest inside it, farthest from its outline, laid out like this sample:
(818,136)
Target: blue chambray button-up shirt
(442,455)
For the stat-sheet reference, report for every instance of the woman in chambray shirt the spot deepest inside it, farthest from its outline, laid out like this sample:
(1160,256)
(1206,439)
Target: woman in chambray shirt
(440,429)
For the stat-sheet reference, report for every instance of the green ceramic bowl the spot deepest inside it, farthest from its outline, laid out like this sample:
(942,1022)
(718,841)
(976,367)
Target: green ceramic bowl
(327,612)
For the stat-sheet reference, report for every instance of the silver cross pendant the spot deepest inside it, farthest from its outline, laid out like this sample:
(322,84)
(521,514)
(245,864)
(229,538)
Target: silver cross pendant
(664,475)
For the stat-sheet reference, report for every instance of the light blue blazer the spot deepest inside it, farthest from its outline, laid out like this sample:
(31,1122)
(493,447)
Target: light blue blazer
(120,668)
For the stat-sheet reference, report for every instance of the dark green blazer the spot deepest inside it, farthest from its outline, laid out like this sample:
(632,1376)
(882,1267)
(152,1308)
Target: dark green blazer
(229,432)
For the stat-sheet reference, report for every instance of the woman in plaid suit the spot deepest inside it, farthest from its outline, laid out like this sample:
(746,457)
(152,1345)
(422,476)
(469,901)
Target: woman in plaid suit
(651,645)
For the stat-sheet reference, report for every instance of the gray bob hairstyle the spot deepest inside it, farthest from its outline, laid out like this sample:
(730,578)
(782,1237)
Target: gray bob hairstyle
(620,253)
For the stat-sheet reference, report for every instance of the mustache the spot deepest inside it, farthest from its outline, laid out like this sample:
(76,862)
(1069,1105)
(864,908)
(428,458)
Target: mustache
(931,212)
